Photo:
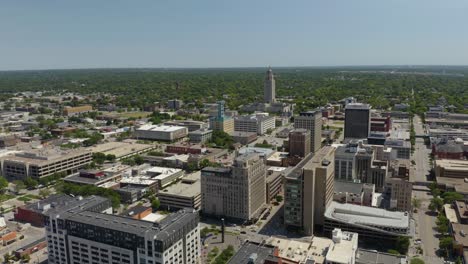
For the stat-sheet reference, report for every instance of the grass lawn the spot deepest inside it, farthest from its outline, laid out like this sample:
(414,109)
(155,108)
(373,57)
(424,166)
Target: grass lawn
(4,197)
(28,197)
(213,253)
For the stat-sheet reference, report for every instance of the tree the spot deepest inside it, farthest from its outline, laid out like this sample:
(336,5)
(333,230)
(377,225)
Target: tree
(99,157)
(155,203)
(7,257)
(26,258)
(416,261)
(446,244)
(44,193)
(3,184)
(402,244)
(30,183)
(416,203)
(19,186)
(434,189)
(442,224)
(279,198)
(450,197)
(436,204)
(138,159)
(111,157)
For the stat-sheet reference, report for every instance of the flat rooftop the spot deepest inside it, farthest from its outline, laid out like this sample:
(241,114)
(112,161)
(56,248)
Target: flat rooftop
(120,149)
(342,251)
(458,184)
(452,165)
(76,178)
(298,251)
(138,227)
(44,155)
(162,172)
(263,152)
(368,216)
(348,187)
(188,186)
(160,128)
(365,256)
(358,106)
(250,249)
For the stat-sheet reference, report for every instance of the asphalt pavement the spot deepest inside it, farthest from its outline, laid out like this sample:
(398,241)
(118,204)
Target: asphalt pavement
(425,220)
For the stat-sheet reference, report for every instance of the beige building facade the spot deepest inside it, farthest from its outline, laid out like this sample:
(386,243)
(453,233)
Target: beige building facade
(237,192)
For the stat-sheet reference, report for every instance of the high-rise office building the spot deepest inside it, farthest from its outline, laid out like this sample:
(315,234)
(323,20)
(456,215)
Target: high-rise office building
(357,121)
(356,162)
(82,234)
(237,192)
(299,142)
(269,87)
(311,120)
(309,191)
(222,122)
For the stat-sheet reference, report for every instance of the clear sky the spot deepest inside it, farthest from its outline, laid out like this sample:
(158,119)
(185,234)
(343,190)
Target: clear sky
(47,34)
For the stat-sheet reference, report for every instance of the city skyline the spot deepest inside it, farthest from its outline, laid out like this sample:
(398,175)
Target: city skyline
(50,35)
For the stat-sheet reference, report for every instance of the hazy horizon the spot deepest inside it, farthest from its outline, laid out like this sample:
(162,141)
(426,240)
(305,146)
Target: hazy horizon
(48,35)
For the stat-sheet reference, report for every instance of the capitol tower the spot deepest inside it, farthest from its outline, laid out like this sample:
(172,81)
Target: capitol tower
(269,93)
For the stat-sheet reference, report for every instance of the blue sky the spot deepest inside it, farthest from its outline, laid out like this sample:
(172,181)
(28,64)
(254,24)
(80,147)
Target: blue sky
(50,34)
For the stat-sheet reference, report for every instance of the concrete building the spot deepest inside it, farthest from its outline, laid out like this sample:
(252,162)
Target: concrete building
(274,184)
(97,178)
(35,213)
(184,194)
(451,168)
(299,142)
(221,122)
(161,132)
(244,138)
(162,175)
(121,150)
(174,104)
(71,111)
(269,92)
(44,162)
(368,256)
(357,121)
(342,249)
(353,193)
(311,120)
(200,136)
(372,224)
(78,235)
(400,191)
(255,252)
(358,162)
(401,147)
(448,133)
(237,192)
(258,123)
(309,191)
(191,125)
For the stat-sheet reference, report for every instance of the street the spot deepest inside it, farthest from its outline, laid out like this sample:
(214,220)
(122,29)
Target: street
(425,220)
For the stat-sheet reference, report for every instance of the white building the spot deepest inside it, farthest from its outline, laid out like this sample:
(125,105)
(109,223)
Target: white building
(259,123)
(161,132)
(343,249)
